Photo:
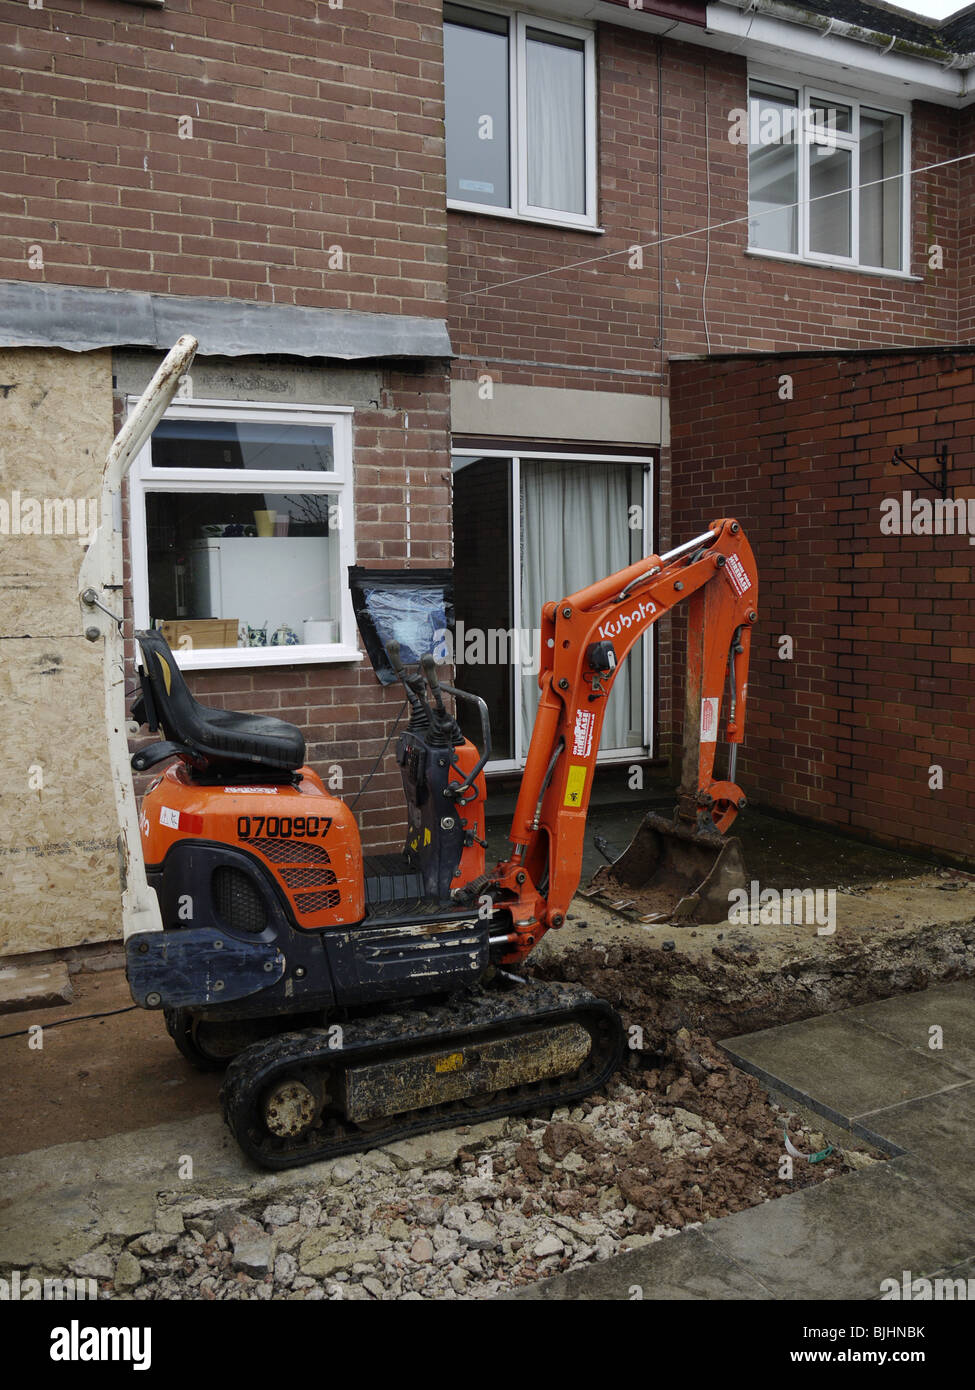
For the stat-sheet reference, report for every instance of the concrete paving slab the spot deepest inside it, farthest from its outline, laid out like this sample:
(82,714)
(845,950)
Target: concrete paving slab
(34,986)
(684,1267)
(60,1202)
(840,1239)
(909,1018)
(839,1066)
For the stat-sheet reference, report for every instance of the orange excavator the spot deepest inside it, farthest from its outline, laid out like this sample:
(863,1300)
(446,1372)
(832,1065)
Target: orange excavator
(356,1000)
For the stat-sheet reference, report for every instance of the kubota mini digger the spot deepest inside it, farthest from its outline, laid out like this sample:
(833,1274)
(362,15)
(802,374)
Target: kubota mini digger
(357,1000)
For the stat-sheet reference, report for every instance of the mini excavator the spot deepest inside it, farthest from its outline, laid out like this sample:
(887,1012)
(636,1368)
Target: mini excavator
(356,1000)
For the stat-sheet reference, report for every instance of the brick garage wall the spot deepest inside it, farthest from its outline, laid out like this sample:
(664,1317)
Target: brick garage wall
(342,710)
(311,127)
(882,684)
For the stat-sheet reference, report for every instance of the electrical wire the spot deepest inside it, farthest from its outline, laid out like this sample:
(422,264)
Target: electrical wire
(382,755)
(57,1022)
(712,227)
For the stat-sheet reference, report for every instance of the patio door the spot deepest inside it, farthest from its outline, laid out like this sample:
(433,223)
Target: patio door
(528,528)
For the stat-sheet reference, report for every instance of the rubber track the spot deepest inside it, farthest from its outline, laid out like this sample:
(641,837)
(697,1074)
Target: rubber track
(459,1021)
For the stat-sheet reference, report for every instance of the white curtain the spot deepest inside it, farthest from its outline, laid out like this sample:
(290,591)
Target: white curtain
(574,531)
(556,127)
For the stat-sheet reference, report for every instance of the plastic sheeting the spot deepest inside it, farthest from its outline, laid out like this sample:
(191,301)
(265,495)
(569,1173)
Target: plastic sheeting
(412,607)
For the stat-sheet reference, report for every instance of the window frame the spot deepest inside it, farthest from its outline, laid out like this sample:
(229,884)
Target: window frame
(518,206)
(145,479)
(807,92)
(648,461)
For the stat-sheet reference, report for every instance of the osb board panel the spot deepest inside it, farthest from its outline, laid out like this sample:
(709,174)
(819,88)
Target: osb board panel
(55,430)
(59,877)
(59,881)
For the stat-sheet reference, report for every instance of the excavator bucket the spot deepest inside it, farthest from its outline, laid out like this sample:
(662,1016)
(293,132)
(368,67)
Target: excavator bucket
(673,872)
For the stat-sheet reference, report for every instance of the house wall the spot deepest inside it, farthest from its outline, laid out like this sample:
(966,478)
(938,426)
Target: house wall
(881,686)
(400,443)
(613,328)
(59,869)
(312,128)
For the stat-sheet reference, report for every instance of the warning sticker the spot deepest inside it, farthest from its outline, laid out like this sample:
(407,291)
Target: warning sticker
(453,1062)
(737,575)
(575,785)
(709,720)
(582,733)
(169,817)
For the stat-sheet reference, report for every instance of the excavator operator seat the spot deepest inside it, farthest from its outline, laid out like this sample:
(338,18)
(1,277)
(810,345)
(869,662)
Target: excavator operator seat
(221,736)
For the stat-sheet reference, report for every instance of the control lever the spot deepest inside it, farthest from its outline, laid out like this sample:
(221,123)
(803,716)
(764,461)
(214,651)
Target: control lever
(419,706)
(430,671)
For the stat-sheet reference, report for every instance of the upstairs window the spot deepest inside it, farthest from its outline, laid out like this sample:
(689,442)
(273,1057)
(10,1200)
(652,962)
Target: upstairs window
(828,178)
(520,116)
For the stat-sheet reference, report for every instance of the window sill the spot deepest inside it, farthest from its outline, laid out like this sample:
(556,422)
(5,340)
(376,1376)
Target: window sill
(831,265)
(508,216)
(220,658)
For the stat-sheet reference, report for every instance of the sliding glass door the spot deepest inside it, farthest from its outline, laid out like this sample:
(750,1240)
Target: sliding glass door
(529,528)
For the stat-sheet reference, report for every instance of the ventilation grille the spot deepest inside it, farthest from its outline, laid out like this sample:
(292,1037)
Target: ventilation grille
(238,900)
(317,902)
(289,851)
(307,878)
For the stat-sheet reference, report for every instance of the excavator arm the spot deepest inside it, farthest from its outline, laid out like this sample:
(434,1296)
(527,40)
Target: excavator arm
(585,639)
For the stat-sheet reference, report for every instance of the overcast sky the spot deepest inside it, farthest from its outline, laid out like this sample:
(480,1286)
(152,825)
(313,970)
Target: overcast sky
(934,9)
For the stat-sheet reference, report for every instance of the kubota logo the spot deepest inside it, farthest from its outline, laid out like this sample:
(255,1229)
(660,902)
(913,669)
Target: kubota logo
(626,621)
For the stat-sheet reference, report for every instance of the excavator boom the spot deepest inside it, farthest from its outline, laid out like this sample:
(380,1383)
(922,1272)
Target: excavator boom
(585,639)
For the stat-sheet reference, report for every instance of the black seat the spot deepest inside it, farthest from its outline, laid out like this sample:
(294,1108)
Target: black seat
(219,735)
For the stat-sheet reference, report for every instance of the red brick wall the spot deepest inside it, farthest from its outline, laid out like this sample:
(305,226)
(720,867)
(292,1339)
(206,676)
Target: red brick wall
(882,684)
(312,127)
(343,712)
(605,315)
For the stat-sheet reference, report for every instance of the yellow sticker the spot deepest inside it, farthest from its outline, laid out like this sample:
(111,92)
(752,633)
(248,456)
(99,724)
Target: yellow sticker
(452,1063)
(575,785)
(426,838)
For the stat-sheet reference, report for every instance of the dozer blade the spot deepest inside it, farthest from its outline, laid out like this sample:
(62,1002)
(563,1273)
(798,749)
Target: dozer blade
(672,872)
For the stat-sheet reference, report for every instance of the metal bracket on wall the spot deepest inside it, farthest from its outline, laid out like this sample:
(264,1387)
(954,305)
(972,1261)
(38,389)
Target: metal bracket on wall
(940,481)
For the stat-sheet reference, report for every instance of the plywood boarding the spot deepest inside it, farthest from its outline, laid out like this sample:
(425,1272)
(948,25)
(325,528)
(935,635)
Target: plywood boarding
(59,880)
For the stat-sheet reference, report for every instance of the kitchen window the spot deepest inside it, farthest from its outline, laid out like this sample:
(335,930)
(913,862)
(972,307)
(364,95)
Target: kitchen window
(828,178)
(242,532)
(520,116)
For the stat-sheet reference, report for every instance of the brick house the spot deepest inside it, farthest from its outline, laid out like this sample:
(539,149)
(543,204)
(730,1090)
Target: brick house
(512,290)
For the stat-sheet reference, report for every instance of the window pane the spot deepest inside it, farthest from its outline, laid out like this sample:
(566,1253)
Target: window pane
(773,171)
(830,201)
(264,563)
(574,531)
(243,444)
(827,117)
(483,597)
(476,92)
(556,121)
(881,189)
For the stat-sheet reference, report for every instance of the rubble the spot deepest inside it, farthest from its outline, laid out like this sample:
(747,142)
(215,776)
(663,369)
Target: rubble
(675,1140)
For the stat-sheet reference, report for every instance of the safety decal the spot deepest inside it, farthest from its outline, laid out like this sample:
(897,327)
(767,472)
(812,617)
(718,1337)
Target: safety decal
(709,720)
(582,733)
(575,785)
(737,575)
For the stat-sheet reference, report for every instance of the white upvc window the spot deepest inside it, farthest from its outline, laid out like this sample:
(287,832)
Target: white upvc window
(241,534)
(520,116)
(829,177)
